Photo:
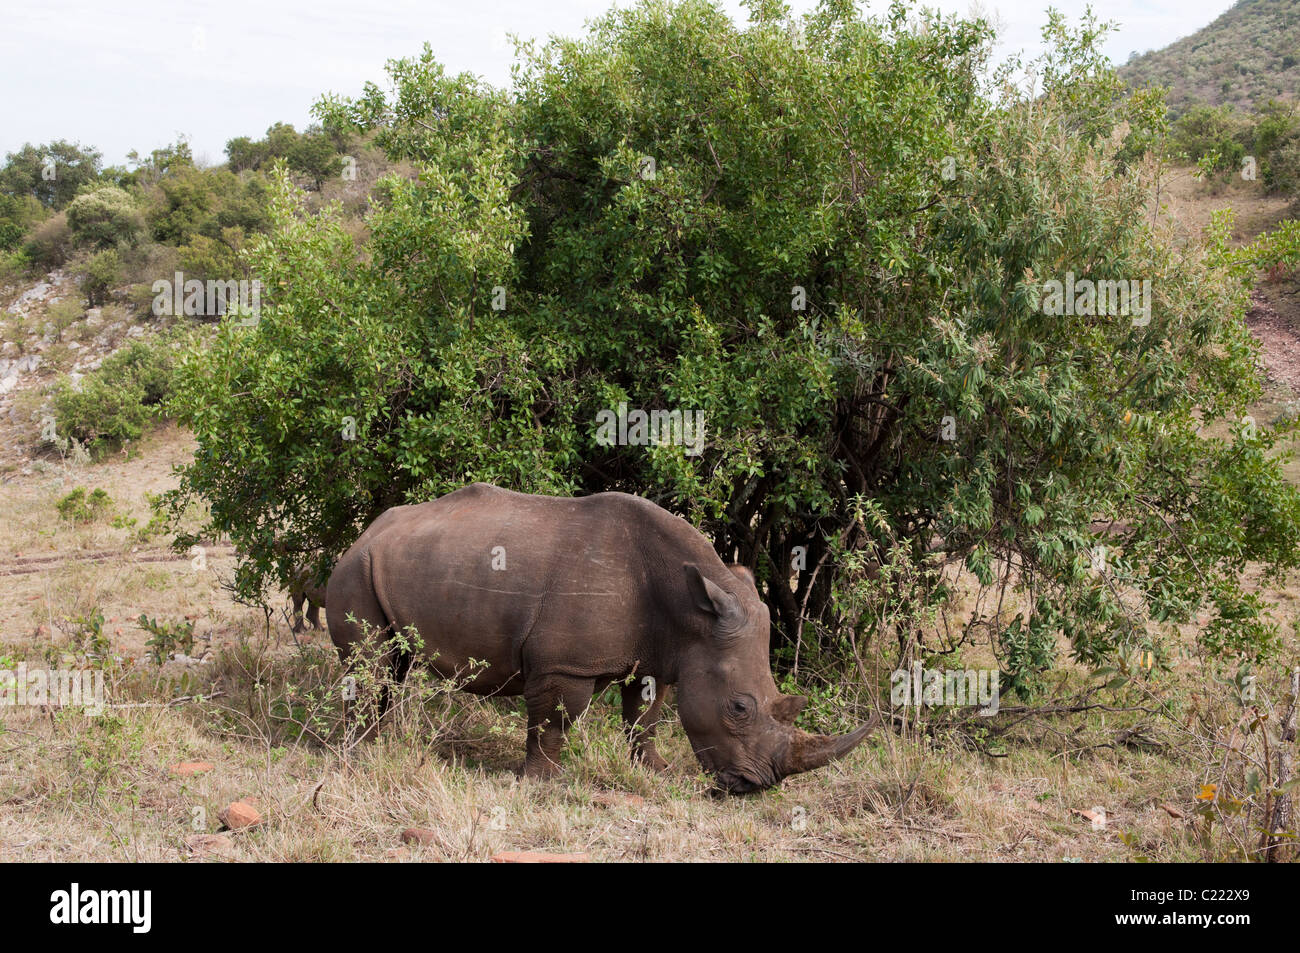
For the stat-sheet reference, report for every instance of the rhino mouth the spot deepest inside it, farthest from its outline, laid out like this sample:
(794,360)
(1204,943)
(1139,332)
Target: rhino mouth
(734,781)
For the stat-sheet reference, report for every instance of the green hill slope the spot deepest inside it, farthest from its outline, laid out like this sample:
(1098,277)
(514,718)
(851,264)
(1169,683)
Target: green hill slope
(1247,56)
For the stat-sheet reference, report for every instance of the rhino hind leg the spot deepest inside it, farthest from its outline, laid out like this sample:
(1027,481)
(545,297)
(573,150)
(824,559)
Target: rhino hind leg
(357,635)
(641,718)
(553,701)
(298,600)
(313,613)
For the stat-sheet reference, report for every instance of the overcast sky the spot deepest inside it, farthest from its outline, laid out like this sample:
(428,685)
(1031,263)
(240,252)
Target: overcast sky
(136,74)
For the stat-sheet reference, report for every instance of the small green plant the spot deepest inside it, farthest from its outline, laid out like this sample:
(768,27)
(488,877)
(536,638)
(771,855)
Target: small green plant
(87,632)
(157,521)
(102,751)
(62,315)
(82,507)
(157,518)
(167,637)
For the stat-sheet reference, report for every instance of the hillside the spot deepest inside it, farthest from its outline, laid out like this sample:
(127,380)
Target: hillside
(1247,56)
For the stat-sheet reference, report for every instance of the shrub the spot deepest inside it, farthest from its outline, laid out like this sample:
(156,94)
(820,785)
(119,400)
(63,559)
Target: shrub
(116,402)
(18,214)
(13,265)
(50,243)
(103,273)
(1215,132)
(852,298)
(210,258)
(62,315)
(82,507)
(1282,170)
(166,637)
(187,202)
(105,218)
(156,525)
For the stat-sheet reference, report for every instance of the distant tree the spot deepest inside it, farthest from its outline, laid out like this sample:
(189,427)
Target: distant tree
(160,162)
(315,157)
(313,153)
(243,153)
(281,140)
(53,174)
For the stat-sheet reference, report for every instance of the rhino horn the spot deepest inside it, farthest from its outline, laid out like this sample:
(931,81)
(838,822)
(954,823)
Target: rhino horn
(808,752)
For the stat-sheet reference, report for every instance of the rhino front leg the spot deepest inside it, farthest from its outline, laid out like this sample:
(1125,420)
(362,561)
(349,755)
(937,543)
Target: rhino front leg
(641,718)
(554,701)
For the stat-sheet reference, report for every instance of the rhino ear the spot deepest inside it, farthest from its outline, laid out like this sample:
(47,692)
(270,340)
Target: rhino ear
(787,707)
(707,595)
(743,574)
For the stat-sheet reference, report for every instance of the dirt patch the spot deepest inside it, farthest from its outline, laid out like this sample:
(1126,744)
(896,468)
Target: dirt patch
(1278,335)
(1192,203)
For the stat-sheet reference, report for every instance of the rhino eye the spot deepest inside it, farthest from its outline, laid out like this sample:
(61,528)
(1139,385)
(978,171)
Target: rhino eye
(739,707)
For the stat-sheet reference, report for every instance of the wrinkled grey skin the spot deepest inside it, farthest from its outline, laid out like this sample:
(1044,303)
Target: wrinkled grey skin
(587,592)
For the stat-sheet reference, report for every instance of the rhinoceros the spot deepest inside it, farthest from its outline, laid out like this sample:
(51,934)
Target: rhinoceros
(562,597)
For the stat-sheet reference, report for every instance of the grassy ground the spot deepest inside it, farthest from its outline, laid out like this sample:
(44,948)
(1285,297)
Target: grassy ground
(78,788)
(258,708)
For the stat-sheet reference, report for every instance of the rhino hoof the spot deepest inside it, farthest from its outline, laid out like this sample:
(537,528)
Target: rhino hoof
(651,760)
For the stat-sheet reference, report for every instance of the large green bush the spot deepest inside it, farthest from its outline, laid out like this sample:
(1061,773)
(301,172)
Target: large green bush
(119,400)
(106,217)
(1216,133)
(831,238)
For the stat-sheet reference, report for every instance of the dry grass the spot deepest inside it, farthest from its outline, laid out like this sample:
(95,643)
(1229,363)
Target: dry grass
(79,788)
(74,787)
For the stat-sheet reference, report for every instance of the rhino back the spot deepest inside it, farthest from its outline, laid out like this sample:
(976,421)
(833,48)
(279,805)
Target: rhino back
(532,583)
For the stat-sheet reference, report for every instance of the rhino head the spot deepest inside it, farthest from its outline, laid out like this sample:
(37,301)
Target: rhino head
(739,725)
